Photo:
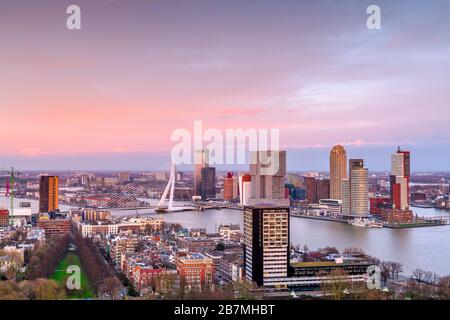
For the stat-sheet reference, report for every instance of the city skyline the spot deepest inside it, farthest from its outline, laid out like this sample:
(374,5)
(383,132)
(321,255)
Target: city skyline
(316,160)
(92,104)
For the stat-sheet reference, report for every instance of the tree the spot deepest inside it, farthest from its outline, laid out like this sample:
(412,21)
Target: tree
(423,285)
(305,250)
(354,251)
(132,291)
(15,262)
(443,291)
(44,259)
(396,269)
(335,284)
(95,266)
(9,290)
(44,289)
(111,287)
(390,270)
(329,250)
(39,289)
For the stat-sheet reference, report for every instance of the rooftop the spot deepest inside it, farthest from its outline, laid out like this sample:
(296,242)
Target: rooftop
(323,264)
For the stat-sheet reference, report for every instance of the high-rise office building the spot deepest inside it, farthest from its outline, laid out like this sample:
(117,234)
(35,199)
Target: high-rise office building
(317,189)
(268,171)
(245,188)
(48,193)
(399,179)
(124,177)
(230,186)
(338,171)
(235,187)
(266,243)
(198,165)
(86,179)
(208,185)
(355,189)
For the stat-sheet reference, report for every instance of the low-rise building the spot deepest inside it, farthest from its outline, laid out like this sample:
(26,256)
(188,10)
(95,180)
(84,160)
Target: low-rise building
(136,225)
(196,244)
(196,272)
(393,215)
(231,268)
(4,217)
(54,227)
(121,245)
(230,232)
(90,214)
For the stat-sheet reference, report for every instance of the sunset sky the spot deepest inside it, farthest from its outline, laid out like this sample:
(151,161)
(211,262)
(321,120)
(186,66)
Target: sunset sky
(108,96)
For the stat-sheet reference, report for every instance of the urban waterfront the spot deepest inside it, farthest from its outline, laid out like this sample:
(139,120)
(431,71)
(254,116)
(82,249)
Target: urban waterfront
(425,248)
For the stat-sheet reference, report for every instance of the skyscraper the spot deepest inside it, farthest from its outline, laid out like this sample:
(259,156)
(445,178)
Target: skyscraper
(208,186)
(198,164)
(317,189)
(48,193)
(245,187)
(399,179)
(338,171)
(124,177)
(268,170)
(230,186)
(266,243)
(355,189)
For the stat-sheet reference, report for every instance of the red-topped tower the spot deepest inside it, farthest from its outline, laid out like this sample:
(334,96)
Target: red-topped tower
(400,176)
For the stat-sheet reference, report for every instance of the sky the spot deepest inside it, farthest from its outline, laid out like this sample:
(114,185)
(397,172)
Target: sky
(109,96)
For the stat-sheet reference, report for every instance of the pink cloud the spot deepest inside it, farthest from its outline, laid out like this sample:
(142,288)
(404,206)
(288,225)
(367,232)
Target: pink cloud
(242,111)
(32,151)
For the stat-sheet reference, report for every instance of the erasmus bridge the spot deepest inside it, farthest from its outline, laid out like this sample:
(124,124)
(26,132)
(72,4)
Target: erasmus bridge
(136,193)
(170,188)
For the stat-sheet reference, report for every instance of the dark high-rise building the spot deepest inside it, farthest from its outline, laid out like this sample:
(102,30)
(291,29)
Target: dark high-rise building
(355,164)
(266,243)
(208,186)
(317,189)
(48,193)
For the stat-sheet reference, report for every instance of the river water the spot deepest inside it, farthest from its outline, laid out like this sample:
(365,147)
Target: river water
(426,248)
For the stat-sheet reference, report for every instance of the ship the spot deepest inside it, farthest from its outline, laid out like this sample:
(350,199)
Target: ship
(365,223)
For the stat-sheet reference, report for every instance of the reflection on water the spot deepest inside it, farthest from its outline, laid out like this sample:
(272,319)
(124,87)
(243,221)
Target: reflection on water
(425,248)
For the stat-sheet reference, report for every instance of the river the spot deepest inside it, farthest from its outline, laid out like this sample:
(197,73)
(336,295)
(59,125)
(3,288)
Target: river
(426,248)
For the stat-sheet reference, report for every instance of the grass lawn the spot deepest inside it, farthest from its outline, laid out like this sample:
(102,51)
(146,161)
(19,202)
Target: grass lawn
(60,275)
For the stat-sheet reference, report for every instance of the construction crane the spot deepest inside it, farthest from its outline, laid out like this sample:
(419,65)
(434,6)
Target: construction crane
(13,173)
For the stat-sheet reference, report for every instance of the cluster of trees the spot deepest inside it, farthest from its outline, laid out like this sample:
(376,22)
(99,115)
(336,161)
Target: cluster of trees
(101,278)
(39,289)
(15,264)
(390,270)
(425,285)
(18,235)
(229,291)
(43,261)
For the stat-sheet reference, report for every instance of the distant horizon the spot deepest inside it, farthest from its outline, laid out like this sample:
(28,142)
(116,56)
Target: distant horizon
(192,171)
(376,159)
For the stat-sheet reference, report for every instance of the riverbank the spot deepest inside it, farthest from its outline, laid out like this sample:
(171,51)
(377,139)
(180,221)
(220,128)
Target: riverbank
(413,225)
(413,247)
(420,224)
